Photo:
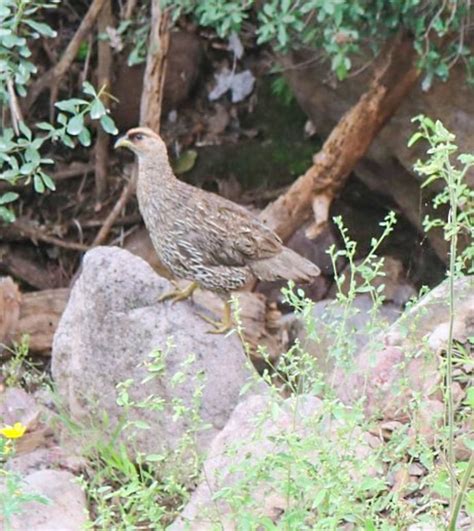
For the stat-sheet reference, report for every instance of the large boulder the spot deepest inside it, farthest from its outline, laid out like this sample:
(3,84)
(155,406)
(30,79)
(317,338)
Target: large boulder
(111,325)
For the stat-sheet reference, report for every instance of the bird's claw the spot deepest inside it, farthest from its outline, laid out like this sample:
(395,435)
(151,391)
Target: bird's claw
(178,294)
(220,327)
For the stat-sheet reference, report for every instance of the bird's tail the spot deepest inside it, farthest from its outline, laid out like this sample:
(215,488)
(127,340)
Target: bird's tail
(286,265)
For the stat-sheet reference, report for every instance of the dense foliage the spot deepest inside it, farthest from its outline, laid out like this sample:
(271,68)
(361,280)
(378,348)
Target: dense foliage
(22,147)
(341,29)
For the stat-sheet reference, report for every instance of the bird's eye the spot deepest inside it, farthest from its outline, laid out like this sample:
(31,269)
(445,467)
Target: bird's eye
(138,136)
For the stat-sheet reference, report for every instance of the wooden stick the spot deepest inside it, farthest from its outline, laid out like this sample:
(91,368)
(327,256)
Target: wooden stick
(15,110)
(36,234)
(104,68)
(155,69)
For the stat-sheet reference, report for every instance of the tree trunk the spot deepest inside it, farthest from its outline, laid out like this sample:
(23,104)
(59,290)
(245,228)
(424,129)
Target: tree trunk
(104,69)
(394,75)
(155,69)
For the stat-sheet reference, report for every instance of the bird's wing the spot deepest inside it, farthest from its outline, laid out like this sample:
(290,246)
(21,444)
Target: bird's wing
(230,234)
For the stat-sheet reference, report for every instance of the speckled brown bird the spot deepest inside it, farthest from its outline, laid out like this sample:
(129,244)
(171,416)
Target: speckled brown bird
(202,237)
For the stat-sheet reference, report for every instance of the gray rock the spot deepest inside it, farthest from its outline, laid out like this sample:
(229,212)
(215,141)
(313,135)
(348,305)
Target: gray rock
(66,510)
(330,317)
(44,458)
(110,326)
(16,405)
(407,364)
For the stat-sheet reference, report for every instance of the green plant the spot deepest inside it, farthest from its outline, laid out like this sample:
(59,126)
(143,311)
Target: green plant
(340,29)
(13,496)
(128,489)
(19,370)
(459,198)
(22,151)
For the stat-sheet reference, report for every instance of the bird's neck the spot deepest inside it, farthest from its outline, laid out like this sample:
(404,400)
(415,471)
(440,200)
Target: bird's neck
(156,169)
(155,185)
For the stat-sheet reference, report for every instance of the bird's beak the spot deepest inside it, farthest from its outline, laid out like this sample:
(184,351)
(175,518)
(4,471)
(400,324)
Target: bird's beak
(124,142)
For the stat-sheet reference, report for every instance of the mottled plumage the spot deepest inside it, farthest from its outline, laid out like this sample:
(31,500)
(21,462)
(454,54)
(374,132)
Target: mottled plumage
(201,236)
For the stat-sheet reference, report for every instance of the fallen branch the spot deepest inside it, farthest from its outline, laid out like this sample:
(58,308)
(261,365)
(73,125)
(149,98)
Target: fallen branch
(20,264)
(54,75)
(35,314)
(34,233)
(394,75)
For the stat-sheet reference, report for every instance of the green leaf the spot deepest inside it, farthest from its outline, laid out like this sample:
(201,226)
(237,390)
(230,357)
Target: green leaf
(85,137)
(414,138)
(38,184)
(45,126)
(87,88)
(70,105)
(8,197)
(62,118)
(75,125)
(155,458)
(97,109)
(7,215)
(28,168)
(108,125)
(41,28)
(48,181)
(185,162)
(67,141)
(25,130)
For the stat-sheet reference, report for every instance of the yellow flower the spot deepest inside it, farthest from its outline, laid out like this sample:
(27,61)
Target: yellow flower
(13,432)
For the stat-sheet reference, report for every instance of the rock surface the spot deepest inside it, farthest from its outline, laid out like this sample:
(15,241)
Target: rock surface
(332,326)
(110,326)
(247,441)
(184,59)
(66,510)
(407,365)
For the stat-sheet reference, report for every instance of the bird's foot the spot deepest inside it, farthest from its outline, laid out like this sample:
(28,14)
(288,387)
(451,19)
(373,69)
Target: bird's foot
(220,327)
(179,294)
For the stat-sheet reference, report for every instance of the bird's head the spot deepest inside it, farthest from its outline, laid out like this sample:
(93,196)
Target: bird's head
(143,142)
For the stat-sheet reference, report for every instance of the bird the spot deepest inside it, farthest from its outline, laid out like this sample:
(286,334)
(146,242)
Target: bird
(200,236)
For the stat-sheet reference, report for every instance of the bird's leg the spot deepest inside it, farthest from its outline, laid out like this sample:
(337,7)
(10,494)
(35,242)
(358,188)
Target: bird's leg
(220,327)
(179,294)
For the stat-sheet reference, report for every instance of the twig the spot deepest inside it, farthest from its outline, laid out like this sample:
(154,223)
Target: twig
(36,234)
(462,491)
(131,219)
(15,110)
(129,8)
(54,74)
(114,214)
